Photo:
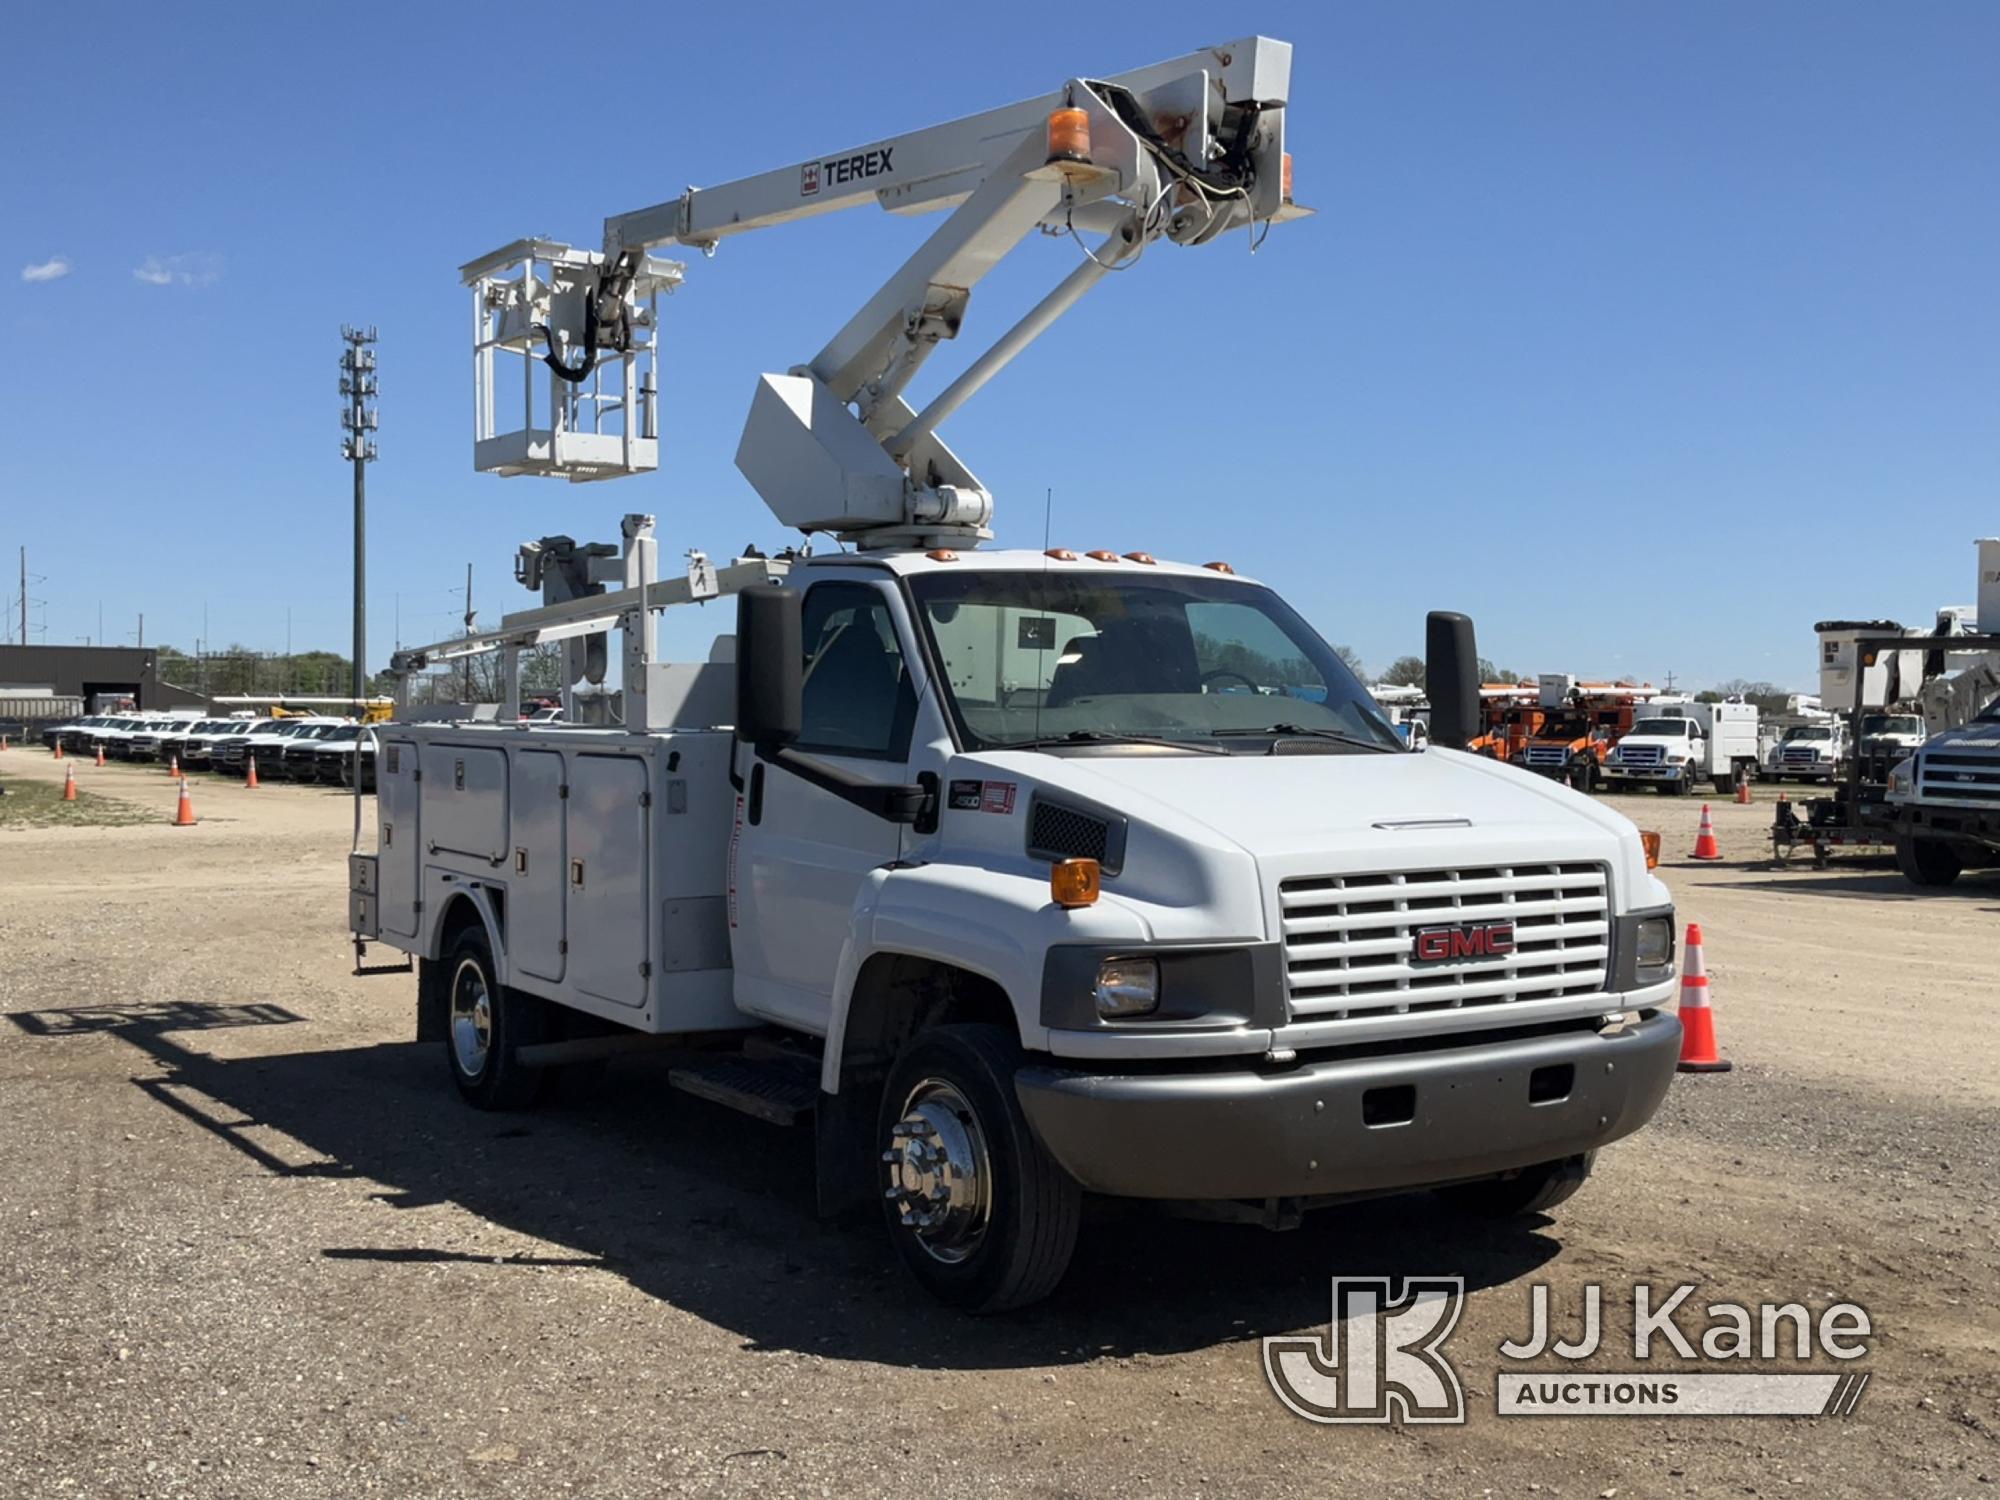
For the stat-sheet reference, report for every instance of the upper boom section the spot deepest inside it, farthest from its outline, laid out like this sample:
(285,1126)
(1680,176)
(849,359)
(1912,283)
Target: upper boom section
(1181,151)
(938,167)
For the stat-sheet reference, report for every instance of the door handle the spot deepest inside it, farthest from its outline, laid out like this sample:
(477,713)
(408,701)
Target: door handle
(576,873)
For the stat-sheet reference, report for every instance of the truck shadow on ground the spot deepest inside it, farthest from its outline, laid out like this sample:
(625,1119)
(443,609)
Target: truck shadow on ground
(1872,885)
(713,1213)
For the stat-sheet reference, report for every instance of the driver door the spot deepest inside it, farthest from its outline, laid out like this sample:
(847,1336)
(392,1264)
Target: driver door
(800,853)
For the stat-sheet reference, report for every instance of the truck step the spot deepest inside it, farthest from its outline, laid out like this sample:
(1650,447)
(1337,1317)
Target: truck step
(780,1092)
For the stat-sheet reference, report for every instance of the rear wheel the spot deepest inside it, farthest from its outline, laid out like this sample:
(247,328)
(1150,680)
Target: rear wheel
(1532,1190)
(485,1026)
(1927,862)
(979,1212)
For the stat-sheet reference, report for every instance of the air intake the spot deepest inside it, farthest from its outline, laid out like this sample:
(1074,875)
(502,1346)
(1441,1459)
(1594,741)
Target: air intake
(1057,831)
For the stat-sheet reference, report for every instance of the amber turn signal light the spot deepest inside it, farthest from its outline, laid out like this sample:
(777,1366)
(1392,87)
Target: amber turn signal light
(1074,882)
(1651,843)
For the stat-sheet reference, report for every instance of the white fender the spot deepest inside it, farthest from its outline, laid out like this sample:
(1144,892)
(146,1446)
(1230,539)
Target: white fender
(441,888)
(992,924)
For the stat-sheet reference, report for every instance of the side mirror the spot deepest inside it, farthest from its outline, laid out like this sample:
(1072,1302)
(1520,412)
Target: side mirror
(1451,678)
(770,665)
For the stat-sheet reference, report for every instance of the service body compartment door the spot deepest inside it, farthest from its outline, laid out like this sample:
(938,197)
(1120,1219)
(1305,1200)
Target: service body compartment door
(540,873)
(466,796)
(399,836)
(609,836)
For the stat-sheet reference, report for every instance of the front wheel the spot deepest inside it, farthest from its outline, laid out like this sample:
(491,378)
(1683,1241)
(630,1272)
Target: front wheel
(1532,1190)
(1927,862)
(979,1212)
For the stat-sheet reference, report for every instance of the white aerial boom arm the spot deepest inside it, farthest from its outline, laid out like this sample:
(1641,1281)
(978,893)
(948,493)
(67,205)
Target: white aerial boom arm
(1184,150)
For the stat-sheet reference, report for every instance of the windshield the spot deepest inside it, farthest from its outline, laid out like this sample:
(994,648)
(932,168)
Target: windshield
(1662,726)
(1033,656)
(1891,724)
(1807,732)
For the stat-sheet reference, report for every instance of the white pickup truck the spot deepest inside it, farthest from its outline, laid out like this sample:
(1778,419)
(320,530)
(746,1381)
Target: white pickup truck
(1023,877)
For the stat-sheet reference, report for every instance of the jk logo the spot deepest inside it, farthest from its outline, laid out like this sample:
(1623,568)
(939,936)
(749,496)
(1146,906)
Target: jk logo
(1380,1360)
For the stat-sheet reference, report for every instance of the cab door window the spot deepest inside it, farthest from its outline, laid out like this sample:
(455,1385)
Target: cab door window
(858,699)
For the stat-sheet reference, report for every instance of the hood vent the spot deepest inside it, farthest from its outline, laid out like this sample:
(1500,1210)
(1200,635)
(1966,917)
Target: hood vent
(1059,831)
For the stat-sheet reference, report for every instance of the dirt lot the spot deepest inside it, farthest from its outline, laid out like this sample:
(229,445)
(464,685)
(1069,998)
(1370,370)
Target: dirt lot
(253,1245)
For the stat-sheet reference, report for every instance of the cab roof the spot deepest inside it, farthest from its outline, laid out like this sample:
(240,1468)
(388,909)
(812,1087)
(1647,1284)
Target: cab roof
(906,561)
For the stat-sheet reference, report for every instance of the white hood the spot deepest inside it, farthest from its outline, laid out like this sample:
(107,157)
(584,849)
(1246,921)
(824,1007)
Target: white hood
(1341,813)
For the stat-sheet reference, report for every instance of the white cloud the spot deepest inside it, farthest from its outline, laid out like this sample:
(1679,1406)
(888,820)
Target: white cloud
(198,269)
(53,269)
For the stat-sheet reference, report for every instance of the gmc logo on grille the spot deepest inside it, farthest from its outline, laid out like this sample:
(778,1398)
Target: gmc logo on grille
(1436,945)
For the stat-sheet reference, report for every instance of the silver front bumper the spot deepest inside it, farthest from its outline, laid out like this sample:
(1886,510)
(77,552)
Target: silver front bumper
(1352,1125)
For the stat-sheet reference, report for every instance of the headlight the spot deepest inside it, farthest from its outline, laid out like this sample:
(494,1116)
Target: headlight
(1903,777)
(1653,948)
(1128,987)
(1617,753)
(1678,757)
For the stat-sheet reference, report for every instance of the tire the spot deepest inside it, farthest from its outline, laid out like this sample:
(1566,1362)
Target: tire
(1533,1190)
(1725,786)
(488,1076)
(1006,1241)
(1927,862)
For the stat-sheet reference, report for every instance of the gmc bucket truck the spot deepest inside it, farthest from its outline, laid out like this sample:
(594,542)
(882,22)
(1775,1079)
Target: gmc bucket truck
(1014,876)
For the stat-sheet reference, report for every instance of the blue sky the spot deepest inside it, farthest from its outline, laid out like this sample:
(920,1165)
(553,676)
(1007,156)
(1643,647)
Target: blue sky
(1648,334)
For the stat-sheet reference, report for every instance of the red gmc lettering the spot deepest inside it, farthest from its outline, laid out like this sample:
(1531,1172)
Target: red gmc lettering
(1441,944)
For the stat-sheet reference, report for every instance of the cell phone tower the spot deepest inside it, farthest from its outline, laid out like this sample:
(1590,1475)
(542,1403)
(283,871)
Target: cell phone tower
(359,419)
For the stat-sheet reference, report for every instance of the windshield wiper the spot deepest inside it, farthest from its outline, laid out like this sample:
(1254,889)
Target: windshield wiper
(1107,737)
(1301,731)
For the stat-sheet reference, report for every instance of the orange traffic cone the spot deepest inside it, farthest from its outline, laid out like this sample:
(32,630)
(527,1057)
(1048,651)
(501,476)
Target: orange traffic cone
(1698,1051)
(69,784)
(1705,846)
(58,749)
(174,769)
(184,814)
(3,742)
(100,755)
(250,774)
(1742,791)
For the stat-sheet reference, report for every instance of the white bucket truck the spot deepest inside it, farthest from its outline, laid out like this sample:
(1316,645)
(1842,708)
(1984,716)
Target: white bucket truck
(1676,746)
(1016,875)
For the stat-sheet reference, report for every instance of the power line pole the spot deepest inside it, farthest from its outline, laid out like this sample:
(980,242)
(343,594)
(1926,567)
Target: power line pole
(359,418)
(24,596)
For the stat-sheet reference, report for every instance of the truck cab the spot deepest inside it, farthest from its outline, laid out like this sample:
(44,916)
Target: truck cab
(1670,753)
(1808,752)
(1890,733)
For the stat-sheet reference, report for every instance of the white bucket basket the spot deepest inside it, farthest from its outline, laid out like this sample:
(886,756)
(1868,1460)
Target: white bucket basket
(529,300)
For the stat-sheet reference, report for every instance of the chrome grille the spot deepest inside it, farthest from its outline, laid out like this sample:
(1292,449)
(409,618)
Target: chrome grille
(1547,755)
(1348,938)
(1642,755)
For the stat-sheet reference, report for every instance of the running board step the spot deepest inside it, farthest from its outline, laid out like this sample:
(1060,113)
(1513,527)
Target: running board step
(780,1092)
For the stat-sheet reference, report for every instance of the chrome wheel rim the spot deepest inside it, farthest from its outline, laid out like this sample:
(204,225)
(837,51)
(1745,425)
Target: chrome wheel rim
(471,1018)
(940,1172)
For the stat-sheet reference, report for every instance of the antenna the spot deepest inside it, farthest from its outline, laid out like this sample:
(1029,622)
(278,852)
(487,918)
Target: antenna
(1041,689)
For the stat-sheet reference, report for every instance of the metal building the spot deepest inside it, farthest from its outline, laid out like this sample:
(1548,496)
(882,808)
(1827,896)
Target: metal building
(99,675)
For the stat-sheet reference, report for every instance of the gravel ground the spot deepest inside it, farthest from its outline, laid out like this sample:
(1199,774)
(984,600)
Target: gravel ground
(252,1245)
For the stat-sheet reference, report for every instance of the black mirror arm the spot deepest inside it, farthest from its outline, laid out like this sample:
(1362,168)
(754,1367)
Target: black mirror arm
(898,803)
